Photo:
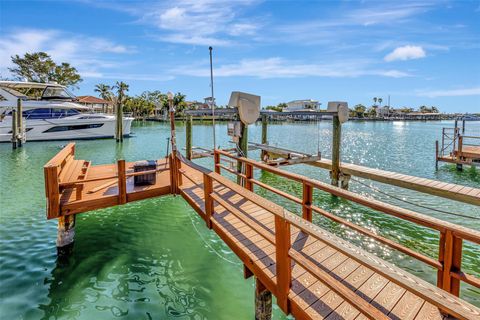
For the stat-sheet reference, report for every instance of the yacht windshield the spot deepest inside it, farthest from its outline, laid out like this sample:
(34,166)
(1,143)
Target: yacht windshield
(56,93)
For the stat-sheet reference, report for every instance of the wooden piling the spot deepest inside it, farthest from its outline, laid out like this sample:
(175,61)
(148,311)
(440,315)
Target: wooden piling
(14,130)
(20,129)
(336,137)
(243,145)
(263,302)
(264,134)
(119,123)
(188,135)
(65,235)
(436,155)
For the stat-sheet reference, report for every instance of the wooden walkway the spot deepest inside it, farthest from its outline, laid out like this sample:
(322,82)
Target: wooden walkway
(247,224)
(312,273)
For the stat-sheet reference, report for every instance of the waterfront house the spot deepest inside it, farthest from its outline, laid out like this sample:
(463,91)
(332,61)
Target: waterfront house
(96,104)
(302,105)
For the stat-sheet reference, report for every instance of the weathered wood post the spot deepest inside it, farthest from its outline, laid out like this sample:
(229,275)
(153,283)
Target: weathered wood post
(436,155)
(20,129)
(336,137)
(119,126)
(14,130)
(188,134)
(173,161)
(263,301)
(243,145)
(264,135)
(65,235)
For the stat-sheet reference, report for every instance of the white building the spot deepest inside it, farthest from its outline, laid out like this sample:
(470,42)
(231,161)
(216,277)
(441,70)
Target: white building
(383,111)
(299,105)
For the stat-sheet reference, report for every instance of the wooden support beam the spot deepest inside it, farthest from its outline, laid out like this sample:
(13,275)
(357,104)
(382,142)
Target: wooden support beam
(188,135)
(247,273)
(336,139)
(52,191)
(122,182)
(283,266)
(307,201)
(263,301)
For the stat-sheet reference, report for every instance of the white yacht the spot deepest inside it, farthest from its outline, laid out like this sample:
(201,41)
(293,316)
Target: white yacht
(50,113)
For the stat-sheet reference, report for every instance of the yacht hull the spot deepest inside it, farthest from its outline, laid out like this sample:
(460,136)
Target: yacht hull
(70,128)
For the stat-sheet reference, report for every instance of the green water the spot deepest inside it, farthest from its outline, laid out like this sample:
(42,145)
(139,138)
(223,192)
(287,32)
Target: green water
(154,259)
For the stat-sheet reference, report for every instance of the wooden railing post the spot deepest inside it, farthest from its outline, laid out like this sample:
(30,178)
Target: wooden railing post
(452,262)
(307,202)
(208,189)
(248,176)
(178,166)
(283,266)
(122,182)
(216,158)
(52,192)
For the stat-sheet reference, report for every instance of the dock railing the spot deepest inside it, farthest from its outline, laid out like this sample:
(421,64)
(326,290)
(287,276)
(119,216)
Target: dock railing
(451,236)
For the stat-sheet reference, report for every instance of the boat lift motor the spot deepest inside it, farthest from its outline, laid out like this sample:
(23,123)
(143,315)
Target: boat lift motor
(248,107)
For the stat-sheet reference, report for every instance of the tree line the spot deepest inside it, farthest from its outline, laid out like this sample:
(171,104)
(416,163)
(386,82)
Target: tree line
(39,67)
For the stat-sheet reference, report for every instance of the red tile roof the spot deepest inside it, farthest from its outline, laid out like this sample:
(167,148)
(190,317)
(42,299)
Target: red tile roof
(91,99)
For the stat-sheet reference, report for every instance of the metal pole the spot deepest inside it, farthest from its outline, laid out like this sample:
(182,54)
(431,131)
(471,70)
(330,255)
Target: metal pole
(213,99)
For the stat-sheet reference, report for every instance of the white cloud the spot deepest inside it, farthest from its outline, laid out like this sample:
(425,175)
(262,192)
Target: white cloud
(87,54)
(475,91)
(201,22)
(276,67)
(406,53)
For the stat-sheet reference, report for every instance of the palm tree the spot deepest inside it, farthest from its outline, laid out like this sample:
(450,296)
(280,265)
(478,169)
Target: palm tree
(375,101)
(105,91)
(380,101)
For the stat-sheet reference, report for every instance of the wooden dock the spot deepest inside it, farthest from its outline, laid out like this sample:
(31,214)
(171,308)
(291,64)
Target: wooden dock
(312,273)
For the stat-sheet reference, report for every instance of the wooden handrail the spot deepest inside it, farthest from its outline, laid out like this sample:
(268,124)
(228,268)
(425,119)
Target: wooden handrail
(244,218)
(441,299)
(421,219)
(445,301)
(449,258)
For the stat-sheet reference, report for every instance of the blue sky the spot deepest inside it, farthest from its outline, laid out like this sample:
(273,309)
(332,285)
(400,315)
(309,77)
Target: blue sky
(418,52)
